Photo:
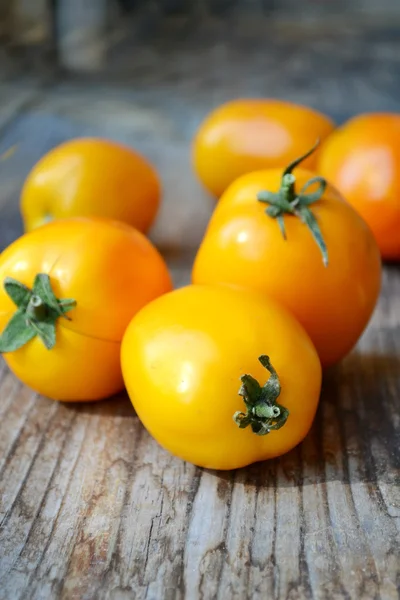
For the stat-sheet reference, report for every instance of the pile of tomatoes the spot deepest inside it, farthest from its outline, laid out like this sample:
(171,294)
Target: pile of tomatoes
(226,371)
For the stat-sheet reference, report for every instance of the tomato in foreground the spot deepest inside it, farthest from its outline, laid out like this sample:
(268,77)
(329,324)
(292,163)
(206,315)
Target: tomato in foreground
(68,291)
(292,237)
(91,177)
(221,377)
(362,160)
(245,135)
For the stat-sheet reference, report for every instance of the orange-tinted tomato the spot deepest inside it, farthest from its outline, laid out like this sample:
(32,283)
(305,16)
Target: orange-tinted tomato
(183,360)
(246,135)
(244,246)
(362,159)
(91,177)
(111,270)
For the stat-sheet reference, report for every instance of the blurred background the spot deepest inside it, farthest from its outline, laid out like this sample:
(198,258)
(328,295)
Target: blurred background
(146,72)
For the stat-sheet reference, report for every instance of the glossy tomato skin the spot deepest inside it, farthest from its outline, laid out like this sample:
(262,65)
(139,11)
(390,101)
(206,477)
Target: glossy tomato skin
(244,246)
(246,135)
(182,359)
(91,177)
(362,160)
(112,271)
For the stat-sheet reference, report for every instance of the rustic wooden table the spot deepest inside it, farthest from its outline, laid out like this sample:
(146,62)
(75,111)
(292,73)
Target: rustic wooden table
(91,507)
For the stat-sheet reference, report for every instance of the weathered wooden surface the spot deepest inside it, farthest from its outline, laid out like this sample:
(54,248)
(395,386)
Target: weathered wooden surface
(91,507)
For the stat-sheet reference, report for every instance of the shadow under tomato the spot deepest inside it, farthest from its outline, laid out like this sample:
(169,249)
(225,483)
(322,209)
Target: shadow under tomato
(115,406)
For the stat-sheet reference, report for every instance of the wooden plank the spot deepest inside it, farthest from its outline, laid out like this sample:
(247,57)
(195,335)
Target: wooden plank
(94,508)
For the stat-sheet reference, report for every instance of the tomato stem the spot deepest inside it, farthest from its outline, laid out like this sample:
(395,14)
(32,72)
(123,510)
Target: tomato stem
(36,308)
(36,315)
(288,201)
(263,413)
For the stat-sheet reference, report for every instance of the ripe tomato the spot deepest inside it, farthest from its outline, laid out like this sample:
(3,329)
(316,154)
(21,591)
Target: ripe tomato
(245,135)
(96,273)
(245,246)
(362,159)
(91,177)
(184,356)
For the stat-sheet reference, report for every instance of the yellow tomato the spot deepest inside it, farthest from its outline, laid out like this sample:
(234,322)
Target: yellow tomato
(68,291)
(309,250)
(188,355)
(248,134)
(91,177)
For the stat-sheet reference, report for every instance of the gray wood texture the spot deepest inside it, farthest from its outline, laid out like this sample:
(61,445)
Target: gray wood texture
(83,35)
(90,506)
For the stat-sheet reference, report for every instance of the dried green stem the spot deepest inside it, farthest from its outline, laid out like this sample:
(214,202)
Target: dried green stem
(36,308)
(288,201)
(263,413)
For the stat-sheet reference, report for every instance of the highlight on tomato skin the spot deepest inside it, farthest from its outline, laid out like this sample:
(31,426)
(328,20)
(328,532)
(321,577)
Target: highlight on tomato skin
(221,377)
(91,177)
(362,160)
(246,135)
(293,237)
(68,290)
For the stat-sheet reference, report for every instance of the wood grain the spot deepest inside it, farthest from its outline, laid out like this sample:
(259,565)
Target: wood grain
(91,507)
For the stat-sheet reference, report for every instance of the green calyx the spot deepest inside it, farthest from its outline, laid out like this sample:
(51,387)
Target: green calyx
(263,413)
(37,312)
(288,201)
